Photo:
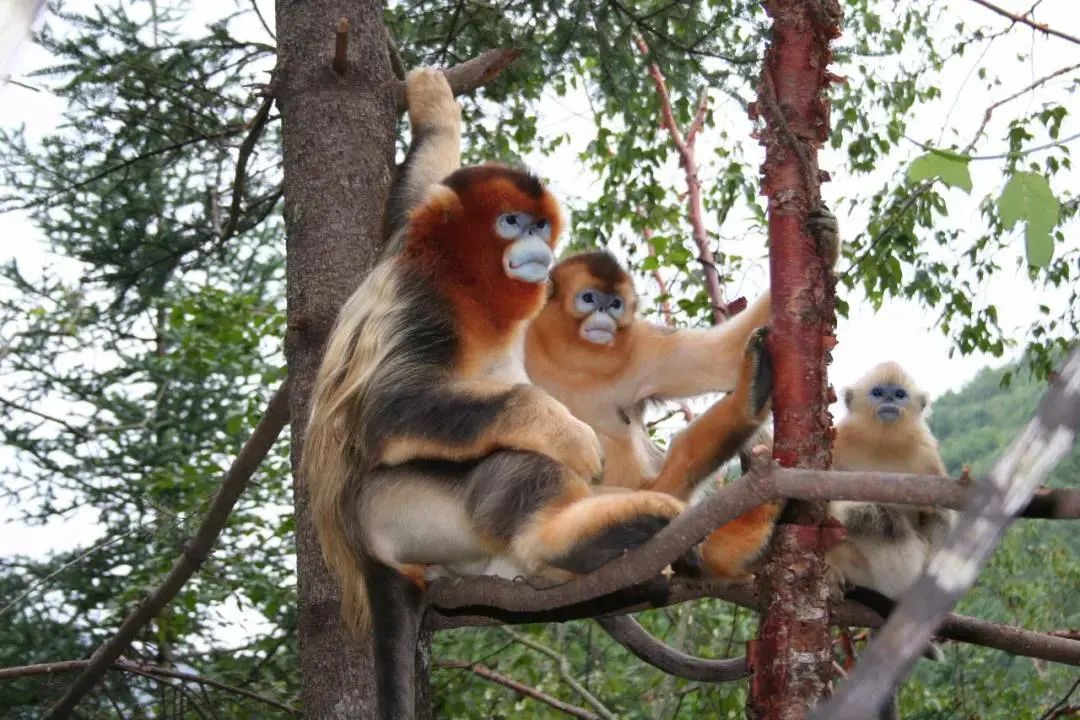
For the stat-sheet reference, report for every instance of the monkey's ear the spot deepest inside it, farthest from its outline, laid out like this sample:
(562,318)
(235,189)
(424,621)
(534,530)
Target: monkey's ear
(924,400)
(849,397)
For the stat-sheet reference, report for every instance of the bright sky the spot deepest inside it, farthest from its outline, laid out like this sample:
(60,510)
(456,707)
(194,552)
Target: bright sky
(902,331)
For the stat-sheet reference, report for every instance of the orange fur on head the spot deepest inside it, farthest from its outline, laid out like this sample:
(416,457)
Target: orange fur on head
(452,240)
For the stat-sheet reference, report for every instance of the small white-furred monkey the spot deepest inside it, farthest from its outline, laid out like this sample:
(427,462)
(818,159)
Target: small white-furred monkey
(887,546)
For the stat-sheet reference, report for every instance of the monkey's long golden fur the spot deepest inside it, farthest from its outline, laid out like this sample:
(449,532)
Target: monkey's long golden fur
(359,344)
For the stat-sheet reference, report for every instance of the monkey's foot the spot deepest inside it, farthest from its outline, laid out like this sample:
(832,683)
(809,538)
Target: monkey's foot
(825,229)
(757,373)
(732,547)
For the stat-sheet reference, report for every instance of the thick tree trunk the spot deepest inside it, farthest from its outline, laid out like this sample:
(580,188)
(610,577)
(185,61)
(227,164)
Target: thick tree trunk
(338,136)
(792,657)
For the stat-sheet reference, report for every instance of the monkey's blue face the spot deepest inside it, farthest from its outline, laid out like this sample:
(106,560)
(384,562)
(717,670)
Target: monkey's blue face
(889,401)
(602,312)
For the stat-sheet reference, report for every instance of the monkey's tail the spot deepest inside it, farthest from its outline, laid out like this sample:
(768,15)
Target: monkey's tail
(325,473)
(397,604)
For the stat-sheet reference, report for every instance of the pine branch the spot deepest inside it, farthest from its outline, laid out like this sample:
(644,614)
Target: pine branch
(195,553)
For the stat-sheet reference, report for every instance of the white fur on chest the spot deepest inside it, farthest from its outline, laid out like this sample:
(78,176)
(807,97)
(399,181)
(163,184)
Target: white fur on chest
(508,366)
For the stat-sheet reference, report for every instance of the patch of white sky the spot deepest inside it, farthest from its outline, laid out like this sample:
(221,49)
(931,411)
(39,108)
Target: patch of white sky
(901,330)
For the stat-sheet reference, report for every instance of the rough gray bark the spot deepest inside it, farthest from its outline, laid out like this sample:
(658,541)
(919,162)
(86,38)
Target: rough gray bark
(338,137)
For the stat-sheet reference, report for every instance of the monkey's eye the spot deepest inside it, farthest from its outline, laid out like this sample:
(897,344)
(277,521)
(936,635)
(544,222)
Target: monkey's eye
(511,225)
(541,229)
(901,394)
(877,392)
(616,307)
(585,301)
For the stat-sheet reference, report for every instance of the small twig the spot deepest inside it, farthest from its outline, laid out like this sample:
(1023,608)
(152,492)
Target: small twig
(75,561)
(266,26)
(341,47)
(562,664)
(195,552)
(518,687)
(257,125)
(154,672)
(1055,710)
(1041,27)
(990,110)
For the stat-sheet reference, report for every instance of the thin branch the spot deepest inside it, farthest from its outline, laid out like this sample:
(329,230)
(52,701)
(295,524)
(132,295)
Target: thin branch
(154,672)
(660,592)
(1041,27)
(990,110)
(266,26)
(684,145)
(194,555)
(626,631)
(520,688)
(74,561)
(257,125)
(952,569)
(1063,704)
(562,664)
(471,74)
(396,63)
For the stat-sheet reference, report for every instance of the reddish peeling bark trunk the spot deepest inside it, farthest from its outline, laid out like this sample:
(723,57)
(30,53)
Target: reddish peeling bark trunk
(792,658)
(338,140)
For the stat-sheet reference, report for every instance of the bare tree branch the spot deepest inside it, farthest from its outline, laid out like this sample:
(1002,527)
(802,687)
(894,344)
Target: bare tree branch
(154,672)
(762,484)
(518,687)
(684,145)
(626,631)
(660,592)
(1041,27)
(257,125)
(471,74)
(194,555)
(997,499)
(562,664)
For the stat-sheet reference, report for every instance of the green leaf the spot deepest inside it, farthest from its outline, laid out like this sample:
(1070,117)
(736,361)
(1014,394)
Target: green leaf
(1027,196)
(950,168)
